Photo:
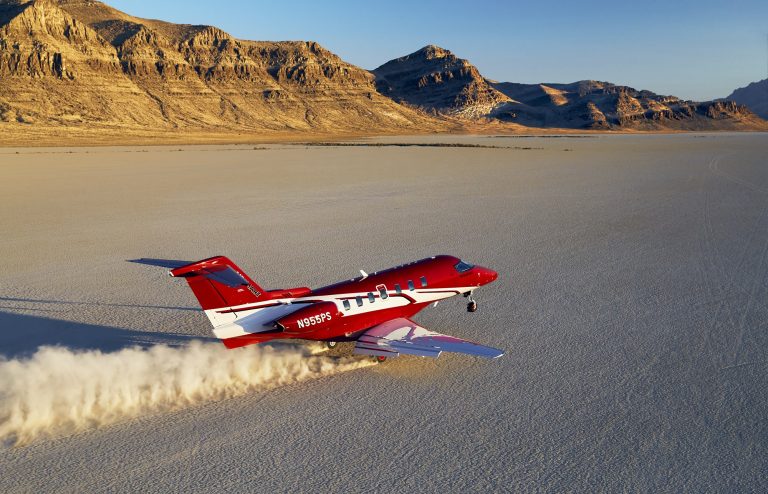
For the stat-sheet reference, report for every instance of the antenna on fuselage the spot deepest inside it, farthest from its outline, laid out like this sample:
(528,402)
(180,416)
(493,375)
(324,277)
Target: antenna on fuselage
(365,275)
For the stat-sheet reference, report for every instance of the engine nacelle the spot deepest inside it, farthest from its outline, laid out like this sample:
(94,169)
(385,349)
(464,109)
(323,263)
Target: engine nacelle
(311,318)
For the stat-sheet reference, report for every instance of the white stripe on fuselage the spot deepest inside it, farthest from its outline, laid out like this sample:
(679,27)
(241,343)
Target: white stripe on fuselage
(257,317)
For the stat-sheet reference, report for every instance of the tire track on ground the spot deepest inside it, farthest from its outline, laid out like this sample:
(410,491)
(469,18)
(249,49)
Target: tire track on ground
(750,302)
(729,286)
(751,293)
(712,255)
(726,283)
(714,167)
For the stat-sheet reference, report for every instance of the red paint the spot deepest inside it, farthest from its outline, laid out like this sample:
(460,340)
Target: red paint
(311,319)
(251,339)
(205,279)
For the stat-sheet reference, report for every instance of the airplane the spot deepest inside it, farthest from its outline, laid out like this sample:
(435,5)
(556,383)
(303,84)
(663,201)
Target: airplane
(372,310)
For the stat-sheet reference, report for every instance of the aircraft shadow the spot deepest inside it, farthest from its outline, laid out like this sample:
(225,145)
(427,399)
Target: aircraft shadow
(21,335)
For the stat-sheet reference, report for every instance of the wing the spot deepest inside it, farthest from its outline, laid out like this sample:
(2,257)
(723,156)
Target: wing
(402,335)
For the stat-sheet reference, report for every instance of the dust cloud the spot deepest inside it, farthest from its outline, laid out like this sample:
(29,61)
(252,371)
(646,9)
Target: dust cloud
(59,390)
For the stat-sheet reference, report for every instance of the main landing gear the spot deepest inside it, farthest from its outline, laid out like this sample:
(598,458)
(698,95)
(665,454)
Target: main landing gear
(331,344)
(472,305)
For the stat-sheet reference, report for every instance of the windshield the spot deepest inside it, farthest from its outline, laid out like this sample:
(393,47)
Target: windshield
(463,267)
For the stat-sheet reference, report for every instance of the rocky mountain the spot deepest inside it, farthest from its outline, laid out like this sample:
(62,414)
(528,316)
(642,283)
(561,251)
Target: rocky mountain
(754,96)
(434,79)
(70,66)
(71,62)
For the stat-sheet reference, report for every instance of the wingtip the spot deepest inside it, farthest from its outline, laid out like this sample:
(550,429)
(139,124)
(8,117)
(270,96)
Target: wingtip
(493,353)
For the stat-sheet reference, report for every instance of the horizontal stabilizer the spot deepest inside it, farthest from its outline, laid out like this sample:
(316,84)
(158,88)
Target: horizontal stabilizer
(163,263)
(404,336)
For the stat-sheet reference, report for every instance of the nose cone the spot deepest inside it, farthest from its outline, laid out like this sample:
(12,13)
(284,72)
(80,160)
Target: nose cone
(486,275)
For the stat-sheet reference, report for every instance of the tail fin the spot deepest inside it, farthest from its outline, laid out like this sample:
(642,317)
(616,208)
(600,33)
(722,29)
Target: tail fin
(218,283)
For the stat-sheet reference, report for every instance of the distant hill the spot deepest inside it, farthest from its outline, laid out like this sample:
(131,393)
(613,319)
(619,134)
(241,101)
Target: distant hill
(755,96)
(602,105)
(435,79)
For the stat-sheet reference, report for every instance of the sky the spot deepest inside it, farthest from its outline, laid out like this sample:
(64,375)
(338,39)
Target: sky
(696,50)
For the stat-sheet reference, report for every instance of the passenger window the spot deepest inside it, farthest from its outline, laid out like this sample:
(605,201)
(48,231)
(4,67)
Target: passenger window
(423,281)
(411,286)
(371,297)
(398,289)
(346,305)
(359,301)
(383,292)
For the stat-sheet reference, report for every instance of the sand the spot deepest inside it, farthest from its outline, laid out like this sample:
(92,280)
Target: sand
(631,305)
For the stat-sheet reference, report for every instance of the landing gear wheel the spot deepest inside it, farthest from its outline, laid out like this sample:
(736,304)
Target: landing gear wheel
(331,344)
(472,305)
(381,359)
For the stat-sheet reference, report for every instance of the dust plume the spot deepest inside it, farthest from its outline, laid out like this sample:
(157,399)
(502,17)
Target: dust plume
(58,390)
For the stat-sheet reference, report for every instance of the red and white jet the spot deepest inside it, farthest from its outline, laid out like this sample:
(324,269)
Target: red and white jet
(371,310)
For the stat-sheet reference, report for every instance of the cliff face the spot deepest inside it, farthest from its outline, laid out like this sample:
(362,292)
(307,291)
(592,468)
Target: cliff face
(754,96)
(47,57)
(36,39)
(436,79)
(82,61)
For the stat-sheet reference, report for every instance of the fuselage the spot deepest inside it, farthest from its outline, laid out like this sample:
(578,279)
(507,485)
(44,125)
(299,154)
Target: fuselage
(341,311)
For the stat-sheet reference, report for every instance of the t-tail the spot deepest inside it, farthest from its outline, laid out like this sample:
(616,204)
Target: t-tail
(219,284)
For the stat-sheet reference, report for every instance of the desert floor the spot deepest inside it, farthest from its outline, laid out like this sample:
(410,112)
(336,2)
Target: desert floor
(632,304)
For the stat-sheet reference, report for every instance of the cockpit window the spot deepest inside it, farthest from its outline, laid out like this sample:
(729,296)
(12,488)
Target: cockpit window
(463,267)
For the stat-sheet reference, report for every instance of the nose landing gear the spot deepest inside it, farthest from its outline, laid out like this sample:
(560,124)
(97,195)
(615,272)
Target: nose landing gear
(331,344)
(472,305)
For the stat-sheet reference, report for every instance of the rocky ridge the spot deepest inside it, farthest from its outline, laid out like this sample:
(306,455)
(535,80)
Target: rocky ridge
(78,65)
(436,80)
(602,105)
(72,61)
